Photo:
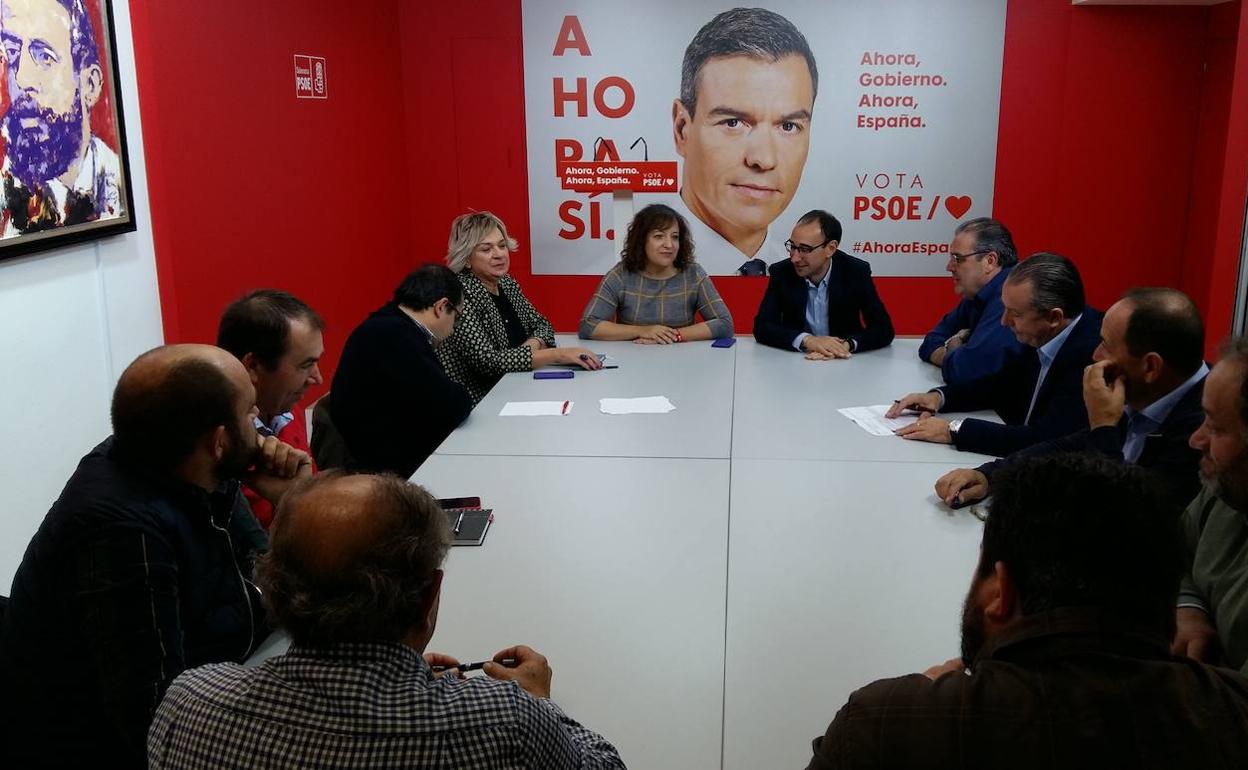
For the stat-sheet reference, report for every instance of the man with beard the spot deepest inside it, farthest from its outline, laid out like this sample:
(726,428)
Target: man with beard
(1065,644)
(280,341)
(140,569)
(56,172)
(1212,613)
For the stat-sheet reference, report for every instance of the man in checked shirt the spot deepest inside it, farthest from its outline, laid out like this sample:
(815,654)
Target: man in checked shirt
(354,577)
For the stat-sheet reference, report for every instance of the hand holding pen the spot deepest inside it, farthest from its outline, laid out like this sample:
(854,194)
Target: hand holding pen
(915,402)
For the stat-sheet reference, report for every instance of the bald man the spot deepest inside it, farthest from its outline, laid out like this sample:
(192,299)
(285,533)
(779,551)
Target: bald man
(140,570)
(354,577)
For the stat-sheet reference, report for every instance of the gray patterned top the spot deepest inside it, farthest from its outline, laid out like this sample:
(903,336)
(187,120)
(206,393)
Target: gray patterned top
(632,298)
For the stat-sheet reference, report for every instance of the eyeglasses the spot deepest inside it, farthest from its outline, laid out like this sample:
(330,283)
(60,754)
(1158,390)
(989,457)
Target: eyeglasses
(802,248)
(960,258)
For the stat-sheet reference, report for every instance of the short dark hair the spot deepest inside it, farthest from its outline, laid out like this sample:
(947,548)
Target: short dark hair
(828,224)
(1055,283)
(1082,530)
(159,421)
(1236,349)
(380,594)
(991,235)
(656,216)
(259,323)
(755,32)
(1166,322)
(427,284)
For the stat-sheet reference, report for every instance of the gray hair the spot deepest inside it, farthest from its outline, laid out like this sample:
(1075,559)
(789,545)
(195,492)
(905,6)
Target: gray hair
(1055,283)
(991,235)
(467,231)
(755,32)
(374,592)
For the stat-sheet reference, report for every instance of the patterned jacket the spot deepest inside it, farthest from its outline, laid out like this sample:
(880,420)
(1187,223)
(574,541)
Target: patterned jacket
(476,355)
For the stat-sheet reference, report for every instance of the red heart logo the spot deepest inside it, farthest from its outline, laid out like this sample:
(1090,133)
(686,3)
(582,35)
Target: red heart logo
(957,205)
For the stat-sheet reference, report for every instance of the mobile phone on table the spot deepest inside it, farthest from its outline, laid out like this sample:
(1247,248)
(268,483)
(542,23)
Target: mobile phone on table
(724,342)
(556,375)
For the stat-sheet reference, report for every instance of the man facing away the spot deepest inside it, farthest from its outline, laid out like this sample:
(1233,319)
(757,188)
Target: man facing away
(142,567)
(1066,633)
(391,400)
(280,341)
(1142,398)
(1212,612)
(354,576)
(1039,396)
(821,301)
(970,341)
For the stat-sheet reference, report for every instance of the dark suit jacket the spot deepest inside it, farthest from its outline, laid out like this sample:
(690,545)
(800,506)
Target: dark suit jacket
(1059,406)
(1165,452)
(391,400)
(855,311)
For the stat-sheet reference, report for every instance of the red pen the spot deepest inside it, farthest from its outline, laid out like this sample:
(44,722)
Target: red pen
(565,408)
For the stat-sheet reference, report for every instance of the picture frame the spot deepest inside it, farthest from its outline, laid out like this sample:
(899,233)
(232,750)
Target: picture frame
(64,162)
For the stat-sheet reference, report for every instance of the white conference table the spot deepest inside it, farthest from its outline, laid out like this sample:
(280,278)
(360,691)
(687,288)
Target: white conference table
(711,584)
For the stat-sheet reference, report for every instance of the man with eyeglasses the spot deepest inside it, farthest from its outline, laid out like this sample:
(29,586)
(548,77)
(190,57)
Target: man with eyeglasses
(821,301)
(970,341)
(391,400)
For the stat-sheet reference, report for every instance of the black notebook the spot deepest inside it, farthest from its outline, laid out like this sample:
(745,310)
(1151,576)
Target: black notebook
(469,525)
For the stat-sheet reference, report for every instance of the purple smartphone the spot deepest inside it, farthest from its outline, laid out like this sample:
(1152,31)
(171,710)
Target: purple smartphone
(724,342)
(559,375)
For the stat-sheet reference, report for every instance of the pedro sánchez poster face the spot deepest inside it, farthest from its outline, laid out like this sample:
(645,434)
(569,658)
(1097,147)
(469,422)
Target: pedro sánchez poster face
(883,113)
(65,171)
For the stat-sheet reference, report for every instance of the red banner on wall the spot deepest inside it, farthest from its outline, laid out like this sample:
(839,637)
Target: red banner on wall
(657,176)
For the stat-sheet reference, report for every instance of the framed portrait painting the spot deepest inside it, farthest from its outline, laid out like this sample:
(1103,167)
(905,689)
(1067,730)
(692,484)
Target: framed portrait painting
(65,173)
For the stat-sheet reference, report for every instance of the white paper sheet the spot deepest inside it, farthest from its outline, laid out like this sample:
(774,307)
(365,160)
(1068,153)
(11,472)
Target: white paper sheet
(872,419)
(644,405)
(536,408)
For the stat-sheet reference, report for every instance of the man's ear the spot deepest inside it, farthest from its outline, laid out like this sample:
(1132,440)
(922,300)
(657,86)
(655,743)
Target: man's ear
(1055,316)
(1001,606)
(433,597)
(217,440)
(995,257)
(1153,365)
(252,365)
(680,126)
(91,85)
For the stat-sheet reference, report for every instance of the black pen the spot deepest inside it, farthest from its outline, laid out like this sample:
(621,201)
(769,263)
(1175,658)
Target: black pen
(506,663)
(916,408)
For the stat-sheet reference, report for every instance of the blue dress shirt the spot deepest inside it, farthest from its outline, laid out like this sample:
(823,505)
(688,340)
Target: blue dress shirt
(1047,352)
(816,309)
(1146,421)
(990,347)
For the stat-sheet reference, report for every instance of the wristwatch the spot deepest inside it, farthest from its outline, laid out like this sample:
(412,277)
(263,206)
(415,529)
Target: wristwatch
(954,426)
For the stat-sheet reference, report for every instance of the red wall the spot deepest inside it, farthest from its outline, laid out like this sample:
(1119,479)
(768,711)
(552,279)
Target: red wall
(250,187)
(1116,148)
(1220,174)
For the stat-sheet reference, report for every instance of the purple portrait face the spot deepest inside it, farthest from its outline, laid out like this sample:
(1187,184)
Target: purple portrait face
(43,126)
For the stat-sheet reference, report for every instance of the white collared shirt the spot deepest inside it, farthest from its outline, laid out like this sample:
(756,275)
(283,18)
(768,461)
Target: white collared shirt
(714,253)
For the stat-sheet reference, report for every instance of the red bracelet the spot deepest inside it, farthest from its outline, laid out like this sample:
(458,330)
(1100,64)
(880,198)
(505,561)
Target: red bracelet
(679,337)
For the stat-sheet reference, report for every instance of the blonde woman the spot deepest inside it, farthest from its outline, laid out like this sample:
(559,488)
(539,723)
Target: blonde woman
(499,330)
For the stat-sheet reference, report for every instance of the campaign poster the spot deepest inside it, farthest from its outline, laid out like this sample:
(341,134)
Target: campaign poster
(882,113)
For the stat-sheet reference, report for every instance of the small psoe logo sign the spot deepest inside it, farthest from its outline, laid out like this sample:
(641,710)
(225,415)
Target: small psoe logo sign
(310,77)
